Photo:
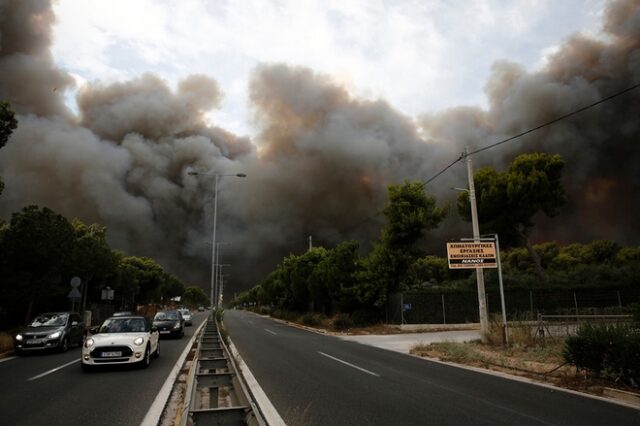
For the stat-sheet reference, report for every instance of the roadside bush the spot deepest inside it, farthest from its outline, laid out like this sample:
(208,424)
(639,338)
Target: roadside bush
(264,310)
(311,319)
(635,311)
(363,318)
(607,350)
(341,322)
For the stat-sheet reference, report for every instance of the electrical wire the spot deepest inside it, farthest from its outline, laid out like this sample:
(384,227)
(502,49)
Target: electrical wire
(509,139)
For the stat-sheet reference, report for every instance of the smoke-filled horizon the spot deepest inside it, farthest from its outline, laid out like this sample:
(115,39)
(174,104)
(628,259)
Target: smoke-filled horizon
(322,159)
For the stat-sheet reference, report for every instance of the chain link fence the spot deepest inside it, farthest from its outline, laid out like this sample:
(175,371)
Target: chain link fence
(459,307)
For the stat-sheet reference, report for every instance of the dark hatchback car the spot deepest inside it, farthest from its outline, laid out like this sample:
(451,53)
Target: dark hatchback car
(169,323)
(52,330)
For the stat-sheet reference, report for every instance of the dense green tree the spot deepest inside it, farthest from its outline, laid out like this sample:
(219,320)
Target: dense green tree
(410,213)
(92,258)
(507,202)
(195,296)
(146,276)
(37,249)
(171,287)
(8,124)
(337,273)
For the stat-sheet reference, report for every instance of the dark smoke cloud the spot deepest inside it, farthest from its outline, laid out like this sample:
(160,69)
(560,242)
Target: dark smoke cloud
(322,159)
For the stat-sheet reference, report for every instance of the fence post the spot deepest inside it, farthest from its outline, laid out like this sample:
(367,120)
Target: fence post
(575,300)
(401,308)
(531,301)
(444,317)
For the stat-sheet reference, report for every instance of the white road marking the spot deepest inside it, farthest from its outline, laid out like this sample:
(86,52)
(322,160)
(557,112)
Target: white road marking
(349,364)
(46,373)
(8,359)
(269,331)
(250,322)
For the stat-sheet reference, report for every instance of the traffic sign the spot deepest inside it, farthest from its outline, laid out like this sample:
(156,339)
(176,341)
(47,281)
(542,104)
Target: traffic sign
(472,255)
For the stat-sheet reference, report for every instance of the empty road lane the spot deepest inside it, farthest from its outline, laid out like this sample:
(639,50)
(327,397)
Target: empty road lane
(313,379)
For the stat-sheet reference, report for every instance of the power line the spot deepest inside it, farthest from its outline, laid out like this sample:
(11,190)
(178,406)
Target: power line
(509,139)
(555,120)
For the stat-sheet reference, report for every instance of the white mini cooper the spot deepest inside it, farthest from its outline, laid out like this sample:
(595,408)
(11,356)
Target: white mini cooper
(121,340)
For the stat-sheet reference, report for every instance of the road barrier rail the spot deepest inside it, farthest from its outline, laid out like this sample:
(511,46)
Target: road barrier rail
(216,393)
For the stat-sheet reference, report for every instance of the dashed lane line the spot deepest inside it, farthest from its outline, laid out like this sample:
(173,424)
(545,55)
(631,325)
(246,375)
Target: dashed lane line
(53,370)
(349,364)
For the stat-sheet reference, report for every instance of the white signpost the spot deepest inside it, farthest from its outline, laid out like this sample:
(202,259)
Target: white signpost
(470,253)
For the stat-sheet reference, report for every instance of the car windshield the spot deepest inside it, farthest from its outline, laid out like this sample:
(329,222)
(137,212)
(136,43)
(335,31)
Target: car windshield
(50,320)
(166,316)
(123,325)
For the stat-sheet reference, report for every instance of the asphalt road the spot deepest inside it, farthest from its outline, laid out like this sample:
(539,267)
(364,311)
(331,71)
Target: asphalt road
(313,379)
(50,389)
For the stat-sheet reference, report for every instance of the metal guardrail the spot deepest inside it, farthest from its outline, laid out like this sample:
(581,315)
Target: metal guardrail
(216,393)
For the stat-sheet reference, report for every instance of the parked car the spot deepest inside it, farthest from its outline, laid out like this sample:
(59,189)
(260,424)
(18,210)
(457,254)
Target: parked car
(186,315)
(51,330)
(200,308)
(121,340)
(169,323)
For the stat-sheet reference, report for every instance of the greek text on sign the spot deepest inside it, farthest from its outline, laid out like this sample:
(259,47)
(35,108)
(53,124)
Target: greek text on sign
(470,255)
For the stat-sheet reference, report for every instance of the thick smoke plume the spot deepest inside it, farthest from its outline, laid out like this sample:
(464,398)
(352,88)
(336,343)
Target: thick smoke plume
(322,159)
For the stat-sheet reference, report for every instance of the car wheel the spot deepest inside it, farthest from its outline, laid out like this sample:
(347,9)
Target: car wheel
(64,345)
(147,358)
(156,354)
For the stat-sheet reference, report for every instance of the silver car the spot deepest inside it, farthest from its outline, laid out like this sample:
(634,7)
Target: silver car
(186,314)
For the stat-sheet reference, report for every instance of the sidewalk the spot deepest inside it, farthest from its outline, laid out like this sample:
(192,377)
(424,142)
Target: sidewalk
(404,342)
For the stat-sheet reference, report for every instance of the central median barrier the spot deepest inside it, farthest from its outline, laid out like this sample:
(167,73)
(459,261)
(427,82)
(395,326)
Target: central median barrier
(216,393)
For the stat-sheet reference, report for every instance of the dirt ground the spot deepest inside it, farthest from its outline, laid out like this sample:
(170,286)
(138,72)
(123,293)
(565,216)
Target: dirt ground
(543,363)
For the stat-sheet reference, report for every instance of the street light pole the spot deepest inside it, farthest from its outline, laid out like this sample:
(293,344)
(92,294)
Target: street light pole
(215,220)
(213,244)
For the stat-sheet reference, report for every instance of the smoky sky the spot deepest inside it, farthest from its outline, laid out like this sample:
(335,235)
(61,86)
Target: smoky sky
(322,158)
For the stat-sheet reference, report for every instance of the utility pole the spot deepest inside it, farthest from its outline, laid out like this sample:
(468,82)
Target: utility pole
(482,301)
(310,242)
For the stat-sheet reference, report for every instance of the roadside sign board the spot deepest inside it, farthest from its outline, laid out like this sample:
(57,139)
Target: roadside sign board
(472,255)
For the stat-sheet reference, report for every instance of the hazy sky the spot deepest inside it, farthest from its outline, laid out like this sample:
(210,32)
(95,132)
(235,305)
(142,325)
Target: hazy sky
(421,56)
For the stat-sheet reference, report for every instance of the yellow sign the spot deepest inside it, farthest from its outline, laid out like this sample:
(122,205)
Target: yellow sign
(470,255)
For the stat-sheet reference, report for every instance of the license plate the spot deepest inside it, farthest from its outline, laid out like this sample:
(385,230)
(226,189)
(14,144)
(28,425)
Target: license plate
(164,332)
(34,341)
(111,354)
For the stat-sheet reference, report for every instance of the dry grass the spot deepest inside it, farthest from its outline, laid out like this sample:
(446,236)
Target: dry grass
(6,342)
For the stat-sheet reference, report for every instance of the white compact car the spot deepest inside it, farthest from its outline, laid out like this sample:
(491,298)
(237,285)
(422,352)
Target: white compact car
(121,340)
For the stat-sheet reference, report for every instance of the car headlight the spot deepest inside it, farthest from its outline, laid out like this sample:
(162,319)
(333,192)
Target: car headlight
(177,326)
(138,341)
(54,335)
(88,343)
(19,337)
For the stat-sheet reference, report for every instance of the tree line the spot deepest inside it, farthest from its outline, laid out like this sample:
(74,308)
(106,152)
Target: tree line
(340,280)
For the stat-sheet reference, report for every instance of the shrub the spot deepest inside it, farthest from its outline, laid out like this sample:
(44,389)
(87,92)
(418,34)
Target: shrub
(264,310)
(341,322)
(363,318)
(609,350)
(310,319)
(635,311)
